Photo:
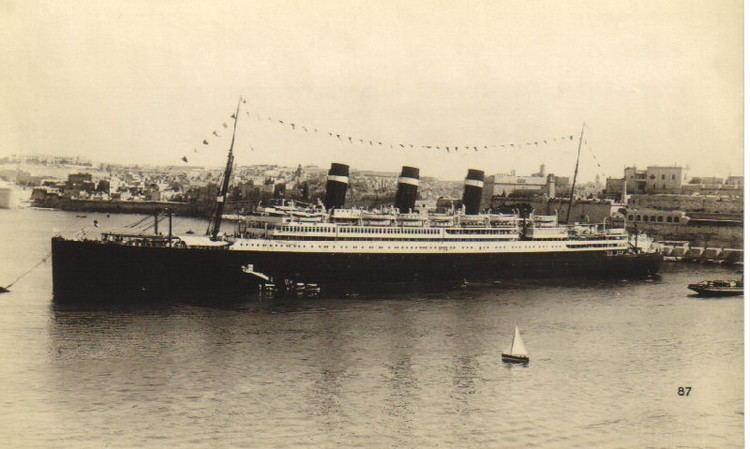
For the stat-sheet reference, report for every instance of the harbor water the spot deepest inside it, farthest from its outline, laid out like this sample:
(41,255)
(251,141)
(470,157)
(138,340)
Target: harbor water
(412,367)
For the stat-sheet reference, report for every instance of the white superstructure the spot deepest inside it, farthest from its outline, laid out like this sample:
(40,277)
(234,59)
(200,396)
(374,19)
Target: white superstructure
(359,231)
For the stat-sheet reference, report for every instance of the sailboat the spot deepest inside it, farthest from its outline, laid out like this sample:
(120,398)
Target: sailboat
(516,352)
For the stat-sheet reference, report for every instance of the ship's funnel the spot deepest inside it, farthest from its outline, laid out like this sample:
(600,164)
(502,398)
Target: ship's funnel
(336,185)
(406,194)
(473,186)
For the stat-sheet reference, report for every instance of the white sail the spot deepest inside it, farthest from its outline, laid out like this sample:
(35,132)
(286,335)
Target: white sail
(517,347)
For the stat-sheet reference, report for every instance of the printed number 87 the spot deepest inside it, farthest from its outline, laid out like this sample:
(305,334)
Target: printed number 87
(684,391)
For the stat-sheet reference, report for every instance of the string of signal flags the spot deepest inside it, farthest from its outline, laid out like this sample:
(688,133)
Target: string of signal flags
(370,142)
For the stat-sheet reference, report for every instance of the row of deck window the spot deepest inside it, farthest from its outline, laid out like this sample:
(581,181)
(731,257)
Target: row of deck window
(654,218)
(275,245)
(445,247)
(417,231)
(592,245)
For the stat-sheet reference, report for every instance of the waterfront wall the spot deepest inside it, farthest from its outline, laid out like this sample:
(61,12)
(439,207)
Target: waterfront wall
(710,204)
(698,234)
(125,207)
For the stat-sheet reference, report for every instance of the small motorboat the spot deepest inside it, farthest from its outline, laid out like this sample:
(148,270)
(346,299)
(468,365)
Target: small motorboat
(268,288)
(516,352)
(312,290)
(718,288)
(250,269)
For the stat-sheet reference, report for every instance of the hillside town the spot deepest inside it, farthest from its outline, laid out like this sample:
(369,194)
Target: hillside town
(663,202)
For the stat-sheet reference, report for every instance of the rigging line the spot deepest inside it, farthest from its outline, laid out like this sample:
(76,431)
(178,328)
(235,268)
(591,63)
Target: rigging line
(591,150)
(145,226)
(149,225)
(138,222)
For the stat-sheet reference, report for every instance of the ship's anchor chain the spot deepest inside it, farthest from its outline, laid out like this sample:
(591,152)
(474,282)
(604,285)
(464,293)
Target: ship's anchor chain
(6,289)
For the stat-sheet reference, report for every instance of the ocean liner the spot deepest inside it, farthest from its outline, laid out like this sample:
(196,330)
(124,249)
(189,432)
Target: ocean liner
(332,245)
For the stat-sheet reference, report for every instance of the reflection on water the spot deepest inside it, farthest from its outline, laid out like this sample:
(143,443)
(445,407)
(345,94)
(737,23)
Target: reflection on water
(410,367)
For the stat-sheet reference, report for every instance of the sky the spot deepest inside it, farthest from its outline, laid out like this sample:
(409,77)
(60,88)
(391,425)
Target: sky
(656,83)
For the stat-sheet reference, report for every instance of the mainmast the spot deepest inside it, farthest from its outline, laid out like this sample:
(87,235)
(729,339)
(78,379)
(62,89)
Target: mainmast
(215,225)
(575,175)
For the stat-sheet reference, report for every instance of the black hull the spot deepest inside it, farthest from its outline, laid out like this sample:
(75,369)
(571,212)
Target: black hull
(712,293)
(513,359)
(92,269)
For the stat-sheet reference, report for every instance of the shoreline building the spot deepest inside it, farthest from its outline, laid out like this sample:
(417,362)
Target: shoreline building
(504,185)
(705,211)
(654,179)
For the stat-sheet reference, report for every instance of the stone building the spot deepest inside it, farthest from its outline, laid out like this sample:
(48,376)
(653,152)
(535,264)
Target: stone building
(655,179)
(674,225)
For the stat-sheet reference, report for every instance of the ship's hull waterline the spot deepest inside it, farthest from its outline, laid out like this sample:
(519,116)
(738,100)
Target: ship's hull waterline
(100,271)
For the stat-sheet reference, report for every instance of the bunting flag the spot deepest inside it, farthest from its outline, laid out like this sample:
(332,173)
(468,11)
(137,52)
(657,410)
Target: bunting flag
(586,143)
(294,126)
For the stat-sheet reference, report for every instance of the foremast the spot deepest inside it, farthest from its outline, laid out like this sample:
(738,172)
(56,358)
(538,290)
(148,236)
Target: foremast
(215,224)
(575,176)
